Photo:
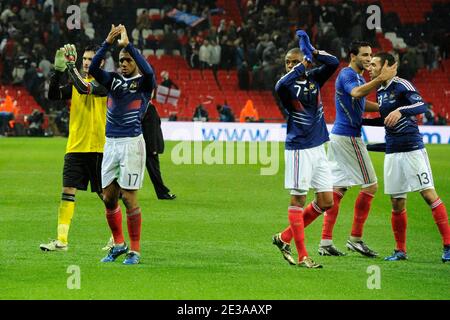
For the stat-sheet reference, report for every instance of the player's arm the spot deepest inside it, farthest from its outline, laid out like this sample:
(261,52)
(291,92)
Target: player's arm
(84,87)
(144,67)
(56,91)
(290,77)
(372,106)
(103,77)
(387,72)
(329,65)
(415,105)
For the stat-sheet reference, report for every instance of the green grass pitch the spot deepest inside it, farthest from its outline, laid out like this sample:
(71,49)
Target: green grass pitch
(212,242)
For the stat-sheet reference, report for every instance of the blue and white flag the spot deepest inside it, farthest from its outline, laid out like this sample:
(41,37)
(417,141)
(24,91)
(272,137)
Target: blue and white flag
(184,17)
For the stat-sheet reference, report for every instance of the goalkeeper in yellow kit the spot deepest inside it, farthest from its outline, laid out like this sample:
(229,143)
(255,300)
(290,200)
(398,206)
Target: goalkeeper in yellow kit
(84,150)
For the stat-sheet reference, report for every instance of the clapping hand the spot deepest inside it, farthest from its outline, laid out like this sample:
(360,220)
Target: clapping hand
(305,45)
(113,34)
(60,60)
(123,41)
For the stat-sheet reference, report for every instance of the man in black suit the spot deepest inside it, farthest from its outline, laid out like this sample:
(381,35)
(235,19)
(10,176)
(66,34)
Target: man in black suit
(151,128)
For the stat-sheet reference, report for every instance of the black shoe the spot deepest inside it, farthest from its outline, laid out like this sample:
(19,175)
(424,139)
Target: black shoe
(361,247)
(284,248)
(167,196)
(330,250)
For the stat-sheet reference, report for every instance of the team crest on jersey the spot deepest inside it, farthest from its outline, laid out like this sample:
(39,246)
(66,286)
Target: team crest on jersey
(133,85)
(312,86)
(392,95)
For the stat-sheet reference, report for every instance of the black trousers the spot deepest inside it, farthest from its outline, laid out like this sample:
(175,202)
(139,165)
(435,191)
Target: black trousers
(152,164)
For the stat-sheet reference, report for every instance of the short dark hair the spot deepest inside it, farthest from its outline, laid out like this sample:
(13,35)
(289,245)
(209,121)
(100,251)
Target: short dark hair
(92,47)
(355,45)
(384,56)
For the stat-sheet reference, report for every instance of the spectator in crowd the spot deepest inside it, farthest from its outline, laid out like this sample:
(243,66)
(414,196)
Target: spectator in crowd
(225,113)
(200,114)
(216,51)
(6,113)
(143,21)
(167,82)
(244,76)
(205,54)
(35,123)
(429,116)
(442,120)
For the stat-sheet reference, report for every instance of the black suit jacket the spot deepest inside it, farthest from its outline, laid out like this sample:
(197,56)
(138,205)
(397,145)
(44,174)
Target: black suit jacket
(151,129)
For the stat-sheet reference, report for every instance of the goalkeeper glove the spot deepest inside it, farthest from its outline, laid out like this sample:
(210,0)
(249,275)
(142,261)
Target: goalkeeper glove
(303,35)
(60,61)
(70,54)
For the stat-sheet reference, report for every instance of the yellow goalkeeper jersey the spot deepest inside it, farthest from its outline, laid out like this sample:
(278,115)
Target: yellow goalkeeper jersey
(87,122)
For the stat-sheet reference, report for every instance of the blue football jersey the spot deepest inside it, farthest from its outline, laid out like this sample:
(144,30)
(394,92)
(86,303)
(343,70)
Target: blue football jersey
(299,92)
(402,95)
(349,110)
(127,97)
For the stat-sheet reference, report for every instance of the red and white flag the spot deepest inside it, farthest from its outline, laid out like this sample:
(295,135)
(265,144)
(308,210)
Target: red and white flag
(166,95)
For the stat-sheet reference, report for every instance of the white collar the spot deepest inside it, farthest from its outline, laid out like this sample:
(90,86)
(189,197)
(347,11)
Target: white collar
(136,76)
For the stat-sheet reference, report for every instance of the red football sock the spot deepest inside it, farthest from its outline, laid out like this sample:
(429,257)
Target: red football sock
(295,215)
(330,217)
(134,228)
(286,235)
(441,218)
(114,218)
(399,221)
(362,208)
(311,213)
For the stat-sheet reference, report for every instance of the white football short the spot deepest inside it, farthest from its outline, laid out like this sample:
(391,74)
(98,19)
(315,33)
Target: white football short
(350,162)
(307,168)
(124,160)
(407,172)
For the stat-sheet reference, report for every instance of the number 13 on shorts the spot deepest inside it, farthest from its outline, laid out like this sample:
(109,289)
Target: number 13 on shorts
(407,172)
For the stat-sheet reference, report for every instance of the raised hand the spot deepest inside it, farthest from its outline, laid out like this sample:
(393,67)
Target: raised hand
(123,41)
(113,34)
(60,60)
(305,50)
(302,35)
(70,53)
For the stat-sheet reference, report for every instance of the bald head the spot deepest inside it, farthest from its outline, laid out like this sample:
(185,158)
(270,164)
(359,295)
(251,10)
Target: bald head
(293,57)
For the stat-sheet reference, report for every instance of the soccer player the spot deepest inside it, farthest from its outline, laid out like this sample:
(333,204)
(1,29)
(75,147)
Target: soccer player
(306,163)
(406,164)
(84,150)
(123,163)
(349,159)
